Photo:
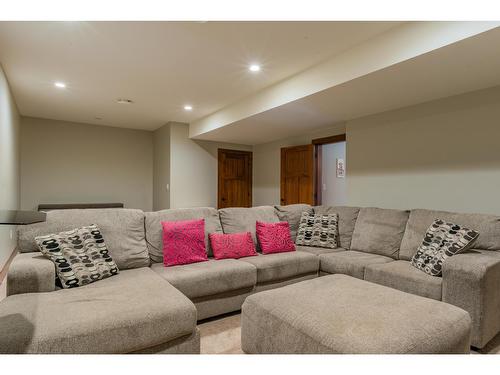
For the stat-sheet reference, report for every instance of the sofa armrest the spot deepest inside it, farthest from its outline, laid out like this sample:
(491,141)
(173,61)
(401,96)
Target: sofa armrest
(30,273)
(471,281)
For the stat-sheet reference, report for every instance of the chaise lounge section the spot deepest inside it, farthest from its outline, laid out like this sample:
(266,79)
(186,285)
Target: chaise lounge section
(134,311)
(131,312)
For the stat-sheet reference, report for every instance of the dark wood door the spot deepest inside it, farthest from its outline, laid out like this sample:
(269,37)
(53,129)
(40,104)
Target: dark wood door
(234,178)
(297,175)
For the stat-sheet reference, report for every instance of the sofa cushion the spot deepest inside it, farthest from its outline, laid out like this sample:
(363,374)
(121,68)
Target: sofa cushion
(237,219)
(379,231)
(441,241)
(80,256)
(347,220)
(291,214)
(274,237)
(154,228)
(419,221)
(272,267)
(208,278)
(131,311)
(402,275)
(350,262)
(318,250)
(318,230)
(122,228)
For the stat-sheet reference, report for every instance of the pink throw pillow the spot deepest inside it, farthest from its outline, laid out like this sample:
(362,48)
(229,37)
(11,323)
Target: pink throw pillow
(234,245)
(183,242)
(274,237)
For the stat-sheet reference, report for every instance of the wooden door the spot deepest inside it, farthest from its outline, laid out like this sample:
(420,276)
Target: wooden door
(234,178)
(297,175)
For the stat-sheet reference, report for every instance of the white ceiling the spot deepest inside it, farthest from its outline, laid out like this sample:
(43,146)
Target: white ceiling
(160,65)
(468,65)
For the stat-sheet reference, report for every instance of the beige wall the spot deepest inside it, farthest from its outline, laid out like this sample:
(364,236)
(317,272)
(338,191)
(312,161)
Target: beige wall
(266,164)
(443,154)
(161,168)
(193,168)
(9,165)
(63,162)
(108,164)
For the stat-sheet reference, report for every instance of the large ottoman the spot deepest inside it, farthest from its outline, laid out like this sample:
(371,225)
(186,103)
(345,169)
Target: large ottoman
(342,314)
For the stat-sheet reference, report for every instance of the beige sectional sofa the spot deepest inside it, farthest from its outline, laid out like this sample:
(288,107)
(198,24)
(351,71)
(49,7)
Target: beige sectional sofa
(150,308)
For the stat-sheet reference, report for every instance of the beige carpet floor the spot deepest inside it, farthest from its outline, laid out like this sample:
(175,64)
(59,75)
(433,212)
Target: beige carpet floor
(221,335)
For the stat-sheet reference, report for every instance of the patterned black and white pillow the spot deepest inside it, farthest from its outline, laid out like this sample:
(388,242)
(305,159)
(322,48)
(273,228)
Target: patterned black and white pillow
(80,256)
(441,241)
(318,230)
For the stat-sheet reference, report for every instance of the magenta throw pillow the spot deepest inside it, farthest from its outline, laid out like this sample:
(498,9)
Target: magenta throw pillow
(274,237)
(183,242)
(234,245)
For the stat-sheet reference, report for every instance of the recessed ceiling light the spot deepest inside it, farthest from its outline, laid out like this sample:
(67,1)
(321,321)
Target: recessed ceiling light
(254,68)
(124,101)
(188,107)
(61,85)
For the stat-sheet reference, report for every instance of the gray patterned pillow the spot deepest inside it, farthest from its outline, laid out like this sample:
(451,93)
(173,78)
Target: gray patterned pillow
(80,256)
(441,241)
(318,230)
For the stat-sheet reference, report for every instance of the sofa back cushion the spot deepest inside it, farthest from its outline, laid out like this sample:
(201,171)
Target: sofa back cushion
(379,231)
(347,220)
(154,233)
(291,214)
(122,229)
(238,219)
(419,221)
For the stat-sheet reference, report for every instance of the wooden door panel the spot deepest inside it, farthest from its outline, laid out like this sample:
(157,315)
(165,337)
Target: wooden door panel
(291,187)
(236,191)
(234,178)
(305,190)
(297,175)
(234,167)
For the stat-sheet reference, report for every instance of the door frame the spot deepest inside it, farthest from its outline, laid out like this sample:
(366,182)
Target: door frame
(220,151)
(318,159)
